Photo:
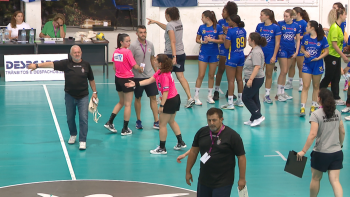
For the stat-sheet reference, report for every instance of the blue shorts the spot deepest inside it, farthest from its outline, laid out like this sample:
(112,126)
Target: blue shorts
(327,161)
(234,61)
(313,68)
(223,52)
(285,53)
(208,58)
(268,55)
(204,191)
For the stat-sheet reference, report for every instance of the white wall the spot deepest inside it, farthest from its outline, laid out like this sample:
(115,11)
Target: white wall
(191,19)
(33,15)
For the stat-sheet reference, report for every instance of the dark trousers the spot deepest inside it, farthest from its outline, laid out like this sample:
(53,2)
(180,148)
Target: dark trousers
(332,74)
(250,98)
(71,107)
(204,191)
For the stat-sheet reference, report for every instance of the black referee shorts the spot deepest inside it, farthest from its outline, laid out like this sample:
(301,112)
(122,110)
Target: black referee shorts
(120,84)
(151,89)
(327,161)
(180,60)
(172,105)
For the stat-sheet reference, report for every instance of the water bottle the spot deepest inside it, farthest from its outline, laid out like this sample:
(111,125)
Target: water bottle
(31,36)
(24,35)
(1,36)
(7,35)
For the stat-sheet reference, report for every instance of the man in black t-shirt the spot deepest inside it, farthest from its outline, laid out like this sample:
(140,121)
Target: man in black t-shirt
(76,73)
(218,145)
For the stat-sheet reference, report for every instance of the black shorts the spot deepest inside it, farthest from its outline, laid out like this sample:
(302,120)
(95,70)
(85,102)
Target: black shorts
(327,161)
(180,60)
(172,105)
(120,84)
(151,89)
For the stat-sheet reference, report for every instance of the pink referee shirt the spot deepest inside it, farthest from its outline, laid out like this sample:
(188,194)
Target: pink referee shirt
(123,63)
(165,83)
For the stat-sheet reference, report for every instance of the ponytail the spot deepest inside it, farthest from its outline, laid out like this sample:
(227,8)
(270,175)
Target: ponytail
(237,20)
(258,39)
(304,15)
(327,101)
(167,63)
(273,20)
(121,38)
(211,15)
(318,29)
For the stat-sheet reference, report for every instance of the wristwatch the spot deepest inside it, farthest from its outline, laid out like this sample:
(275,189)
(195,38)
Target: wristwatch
(61,25)
(94,92)
(37,65)
(174,56)
(161,105)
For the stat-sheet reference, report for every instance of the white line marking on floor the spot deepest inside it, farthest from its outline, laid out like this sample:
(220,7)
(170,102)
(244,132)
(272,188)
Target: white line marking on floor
(66,155)
(280,154)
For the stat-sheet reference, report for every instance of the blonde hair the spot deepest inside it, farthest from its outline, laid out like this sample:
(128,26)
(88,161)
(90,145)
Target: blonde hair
(334,14)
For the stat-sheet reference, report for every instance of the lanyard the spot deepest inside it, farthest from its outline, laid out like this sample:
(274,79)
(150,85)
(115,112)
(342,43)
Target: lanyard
(55,31)
(211,137)
(144,50)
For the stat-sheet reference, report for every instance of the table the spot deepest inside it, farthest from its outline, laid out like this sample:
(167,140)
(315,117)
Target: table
(14,48)
(94,53)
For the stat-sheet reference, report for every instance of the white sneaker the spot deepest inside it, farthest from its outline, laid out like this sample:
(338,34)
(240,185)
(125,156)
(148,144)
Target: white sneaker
(72,139)
(238,103)
(247,123)
(340,102)
(300,87)
(158,151)
(345,110)
(210,100)
(286,96)
(347,118)
(228,106)
(190,103)
(82,145)
(281,98)
(288,86)
(197,101)
(257,121)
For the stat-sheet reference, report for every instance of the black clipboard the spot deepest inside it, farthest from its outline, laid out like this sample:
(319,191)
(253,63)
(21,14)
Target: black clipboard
(293,166)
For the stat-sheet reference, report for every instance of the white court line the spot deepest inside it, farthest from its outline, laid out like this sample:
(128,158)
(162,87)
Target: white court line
(70,167)
(280,154)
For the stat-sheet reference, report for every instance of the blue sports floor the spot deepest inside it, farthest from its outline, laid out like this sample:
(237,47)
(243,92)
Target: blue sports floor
(31,149)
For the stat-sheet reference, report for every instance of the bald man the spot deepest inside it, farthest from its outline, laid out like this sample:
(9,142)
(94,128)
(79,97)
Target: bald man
(76,72)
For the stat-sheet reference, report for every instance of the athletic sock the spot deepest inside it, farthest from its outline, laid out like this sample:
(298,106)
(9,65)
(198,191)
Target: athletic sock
(267,91)
(303,105)
(314,103)
(196,92)
(279,89)
(126,123)
(230,100)
(162,144)
(111,118)
(217,88)
(282,89)
(300,81)
(179,138)
(239,96)
(290,79)
(210,91)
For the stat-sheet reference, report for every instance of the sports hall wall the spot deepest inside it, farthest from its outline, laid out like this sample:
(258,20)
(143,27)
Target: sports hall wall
(191,19)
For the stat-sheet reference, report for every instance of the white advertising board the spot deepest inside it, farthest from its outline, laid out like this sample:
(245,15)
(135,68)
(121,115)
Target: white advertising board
(16,67)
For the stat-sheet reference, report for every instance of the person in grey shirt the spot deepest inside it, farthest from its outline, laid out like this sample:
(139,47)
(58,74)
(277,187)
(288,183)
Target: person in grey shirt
(174,47)
(328,129)
(254,78)
(143,52)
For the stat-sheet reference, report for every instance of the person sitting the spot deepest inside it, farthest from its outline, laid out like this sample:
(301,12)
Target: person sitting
(55,28)
(17,23)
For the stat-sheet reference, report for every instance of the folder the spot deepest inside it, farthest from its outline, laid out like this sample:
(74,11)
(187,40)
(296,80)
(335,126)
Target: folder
(293,166)
(243,192)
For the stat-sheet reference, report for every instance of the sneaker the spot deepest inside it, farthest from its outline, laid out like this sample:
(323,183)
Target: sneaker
(312,109)
(197,101)
(238,103)
(72,139)
(82,145)
(180,146)
(267,99)
(288,86)
(275,68)
(280,97)
(248,123)
(190,103)
(345,110)
(110,127)
(210,100)
(216,96)
(300,87)
(159,151)
(346,85)
(258,121)
(286,96)
(302,112)
(156,125)
(339,102)
(228,106)
(347,118)
(139,124)
(126,132)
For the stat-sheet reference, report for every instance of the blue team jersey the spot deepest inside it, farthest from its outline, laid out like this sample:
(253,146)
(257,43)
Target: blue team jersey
(237,37)
(342,26)
(210,48)
(222,23)
(313,47)
(269,32)
(302,24)
(289,31)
